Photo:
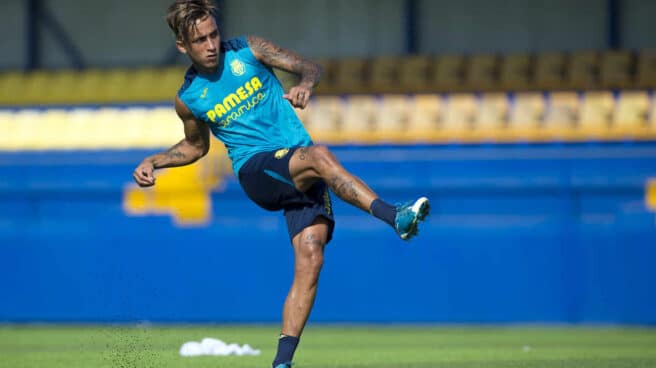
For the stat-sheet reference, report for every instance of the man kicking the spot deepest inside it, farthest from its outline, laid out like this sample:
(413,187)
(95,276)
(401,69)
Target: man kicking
(230,90)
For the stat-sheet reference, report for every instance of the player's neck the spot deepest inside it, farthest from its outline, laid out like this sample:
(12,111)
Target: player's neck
(205,71)
(209,71)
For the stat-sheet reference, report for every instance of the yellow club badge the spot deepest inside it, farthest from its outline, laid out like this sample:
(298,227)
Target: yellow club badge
(237,67)
(281,153)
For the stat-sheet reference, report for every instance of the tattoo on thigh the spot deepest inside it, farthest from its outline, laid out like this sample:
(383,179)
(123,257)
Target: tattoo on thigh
(301,153)
(312,239)
(344,189)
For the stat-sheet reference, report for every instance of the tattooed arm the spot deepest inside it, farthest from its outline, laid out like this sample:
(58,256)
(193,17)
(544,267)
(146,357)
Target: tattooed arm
(277,57)
(195,145)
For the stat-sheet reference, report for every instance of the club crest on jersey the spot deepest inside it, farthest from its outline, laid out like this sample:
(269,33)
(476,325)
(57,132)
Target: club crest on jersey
(237,67)
(281,153)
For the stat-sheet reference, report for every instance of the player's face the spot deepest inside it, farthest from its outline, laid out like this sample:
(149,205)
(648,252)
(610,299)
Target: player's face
(202,45)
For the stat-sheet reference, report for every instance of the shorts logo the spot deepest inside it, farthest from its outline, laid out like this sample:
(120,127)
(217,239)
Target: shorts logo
(237,67)
(281,153)
(326,202)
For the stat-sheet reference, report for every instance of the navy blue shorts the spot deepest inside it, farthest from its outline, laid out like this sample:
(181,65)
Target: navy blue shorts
(266,180)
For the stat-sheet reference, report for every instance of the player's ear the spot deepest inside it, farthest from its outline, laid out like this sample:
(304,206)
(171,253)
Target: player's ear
(179,44)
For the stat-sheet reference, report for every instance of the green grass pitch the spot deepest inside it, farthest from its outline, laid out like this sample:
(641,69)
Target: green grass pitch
(332,346)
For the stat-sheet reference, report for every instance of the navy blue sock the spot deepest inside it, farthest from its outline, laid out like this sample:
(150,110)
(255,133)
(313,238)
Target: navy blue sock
(286,347)
(383,211)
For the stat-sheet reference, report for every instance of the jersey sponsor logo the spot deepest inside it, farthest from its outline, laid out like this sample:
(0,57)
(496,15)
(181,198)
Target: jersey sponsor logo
(281,153)
(223,113)
(237,68)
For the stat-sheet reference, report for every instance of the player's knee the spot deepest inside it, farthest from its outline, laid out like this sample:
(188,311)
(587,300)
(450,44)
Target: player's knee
(323,158)
(312,254)
(315,261)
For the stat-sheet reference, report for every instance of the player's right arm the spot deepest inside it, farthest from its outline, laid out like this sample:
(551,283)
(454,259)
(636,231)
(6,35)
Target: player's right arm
(195,145)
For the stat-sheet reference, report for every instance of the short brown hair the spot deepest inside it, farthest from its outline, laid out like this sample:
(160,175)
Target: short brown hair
(183,14)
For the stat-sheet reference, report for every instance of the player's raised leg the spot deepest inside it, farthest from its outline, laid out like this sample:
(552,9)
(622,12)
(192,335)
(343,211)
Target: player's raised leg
(309,164)
(308,250)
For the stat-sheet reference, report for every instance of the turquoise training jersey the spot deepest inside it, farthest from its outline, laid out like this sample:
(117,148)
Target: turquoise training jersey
(243,105)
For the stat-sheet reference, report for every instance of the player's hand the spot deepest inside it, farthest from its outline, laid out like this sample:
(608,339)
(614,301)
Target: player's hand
(298,96)
(143,174)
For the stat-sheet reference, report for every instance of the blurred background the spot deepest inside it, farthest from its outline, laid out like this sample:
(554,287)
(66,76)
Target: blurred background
(531,126)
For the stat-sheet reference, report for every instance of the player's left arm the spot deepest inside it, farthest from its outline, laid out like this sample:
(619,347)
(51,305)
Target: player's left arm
(310,72)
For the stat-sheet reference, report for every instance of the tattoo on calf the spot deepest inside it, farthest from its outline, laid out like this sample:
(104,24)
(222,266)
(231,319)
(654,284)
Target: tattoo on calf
(344,189)
(302,152)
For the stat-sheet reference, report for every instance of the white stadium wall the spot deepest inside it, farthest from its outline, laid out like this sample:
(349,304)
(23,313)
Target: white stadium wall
(638,30)
(323,28)
(475,26)
(12,28)
(135,33)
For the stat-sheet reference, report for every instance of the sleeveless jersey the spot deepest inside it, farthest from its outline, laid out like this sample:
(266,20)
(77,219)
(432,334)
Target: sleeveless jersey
(243,105)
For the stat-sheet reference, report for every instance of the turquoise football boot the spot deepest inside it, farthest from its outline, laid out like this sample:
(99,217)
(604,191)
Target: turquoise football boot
(409,215)
(284,365)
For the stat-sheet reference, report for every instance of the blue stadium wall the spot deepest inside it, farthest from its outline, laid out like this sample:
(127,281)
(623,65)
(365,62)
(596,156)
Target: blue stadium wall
(519,233)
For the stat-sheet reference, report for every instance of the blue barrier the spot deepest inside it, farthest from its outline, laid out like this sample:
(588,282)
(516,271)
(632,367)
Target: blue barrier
(519,233)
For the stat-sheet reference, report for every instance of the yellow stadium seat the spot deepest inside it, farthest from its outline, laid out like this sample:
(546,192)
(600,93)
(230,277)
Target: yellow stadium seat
(350,75)
(583,70)
(562,116)
(65,85)
(6,129)
(550,70)
(448,73)
(25,123)
(92,87)
(169,130)
(424,117)
(391,118)
(491,120)
(142,83)
(134,127)
(526,115)
(54,127)
(481,73)
(38,87)
(516,72)
(459,116)
(327,83)
(384,77)
(324,118)
(631,114)
(95,128)
(169,82)
(120,86)
(597,110)
(652,116)
(359,113)
(81,133)
(415,74)
(616,69)
(11,88)
(646,69)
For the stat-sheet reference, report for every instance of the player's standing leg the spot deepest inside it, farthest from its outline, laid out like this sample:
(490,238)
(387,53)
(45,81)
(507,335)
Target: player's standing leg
(308,250)
(309,164)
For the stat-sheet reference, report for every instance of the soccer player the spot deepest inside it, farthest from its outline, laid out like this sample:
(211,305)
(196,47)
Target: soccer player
(230,90)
